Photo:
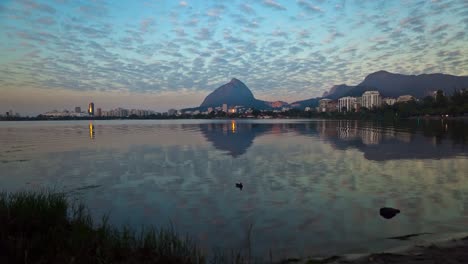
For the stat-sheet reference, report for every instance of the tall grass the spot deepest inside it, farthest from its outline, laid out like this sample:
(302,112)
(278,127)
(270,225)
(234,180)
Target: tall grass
(46,228)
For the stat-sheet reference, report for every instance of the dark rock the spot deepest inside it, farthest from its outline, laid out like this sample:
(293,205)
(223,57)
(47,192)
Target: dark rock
(388,212)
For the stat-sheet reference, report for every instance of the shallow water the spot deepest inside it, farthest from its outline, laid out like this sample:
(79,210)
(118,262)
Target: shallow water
(311,187)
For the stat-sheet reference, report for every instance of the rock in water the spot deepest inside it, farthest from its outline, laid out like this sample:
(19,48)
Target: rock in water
(388,212)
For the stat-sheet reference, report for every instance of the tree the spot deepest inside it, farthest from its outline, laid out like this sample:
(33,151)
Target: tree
(255,112)
(428,101)
(440,100)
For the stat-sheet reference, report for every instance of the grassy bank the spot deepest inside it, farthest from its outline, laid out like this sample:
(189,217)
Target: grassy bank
(46,228)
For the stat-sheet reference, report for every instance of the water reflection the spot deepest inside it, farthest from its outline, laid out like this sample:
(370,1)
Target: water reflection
(233,138)
(91,131)
(310,186)
(408,140)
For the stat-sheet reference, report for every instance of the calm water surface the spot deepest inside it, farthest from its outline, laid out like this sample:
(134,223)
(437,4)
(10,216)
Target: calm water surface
(311,187)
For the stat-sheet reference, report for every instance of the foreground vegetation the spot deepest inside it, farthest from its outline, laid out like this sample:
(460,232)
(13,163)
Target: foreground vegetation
(45,228)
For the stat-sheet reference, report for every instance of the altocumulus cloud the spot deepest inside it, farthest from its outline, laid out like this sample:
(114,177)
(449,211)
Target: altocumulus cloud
(289,49)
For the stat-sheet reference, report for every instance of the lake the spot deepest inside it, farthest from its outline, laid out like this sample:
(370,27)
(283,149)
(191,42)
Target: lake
(310,187)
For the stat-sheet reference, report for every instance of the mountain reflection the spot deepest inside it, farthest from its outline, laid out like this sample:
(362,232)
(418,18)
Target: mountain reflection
(378,141)
(234,138)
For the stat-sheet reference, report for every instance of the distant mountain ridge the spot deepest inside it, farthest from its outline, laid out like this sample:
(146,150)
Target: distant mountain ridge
(388,84)
(393,85)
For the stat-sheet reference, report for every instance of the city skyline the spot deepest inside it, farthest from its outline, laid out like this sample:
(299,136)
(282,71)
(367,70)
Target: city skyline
(171,54)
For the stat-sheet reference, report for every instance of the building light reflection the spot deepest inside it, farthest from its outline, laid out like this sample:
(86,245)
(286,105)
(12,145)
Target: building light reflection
(233,126)
(91,131)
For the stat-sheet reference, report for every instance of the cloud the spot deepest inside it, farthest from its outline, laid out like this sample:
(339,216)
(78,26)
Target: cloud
(332,36)
(192,22)
(206,44)
(279,33)
(439,28)
(46,21)
(204,34)
(245,8)
(215,12)
(414,23)
(146,24)
(309,7)
(30,4)
(273,4)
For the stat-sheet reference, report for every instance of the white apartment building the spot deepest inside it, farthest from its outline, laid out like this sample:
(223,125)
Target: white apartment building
(371,99)
(346,104)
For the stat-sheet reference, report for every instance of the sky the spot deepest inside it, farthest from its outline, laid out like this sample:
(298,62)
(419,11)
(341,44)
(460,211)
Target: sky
(58,54)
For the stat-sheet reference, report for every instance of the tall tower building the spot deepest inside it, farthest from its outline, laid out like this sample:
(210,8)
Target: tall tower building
(91,109)
(99,112)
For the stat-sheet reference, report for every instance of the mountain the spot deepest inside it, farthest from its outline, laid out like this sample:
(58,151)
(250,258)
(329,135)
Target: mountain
(312,102)
(393,85)
(233,93)
(337,91)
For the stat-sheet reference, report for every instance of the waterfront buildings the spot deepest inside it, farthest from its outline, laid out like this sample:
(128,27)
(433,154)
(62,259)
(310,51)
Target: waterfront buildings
(225,108)
(389,101)
(371,99)
(99,112)
(327,105)
(347,104)
(77,109)
(405,98)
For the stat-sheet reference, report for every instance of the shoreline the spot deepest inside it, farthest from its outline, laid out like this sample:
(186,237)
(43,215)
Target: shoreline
(447,250)
(320,117)
(441,248)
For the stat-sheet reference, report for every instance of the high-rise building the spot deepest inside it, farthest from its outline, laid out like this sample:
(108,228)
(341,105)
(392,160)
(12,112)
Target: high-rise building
(346,104)
(225,108)
(77,109)
(99,112)
(371,99)
(91,109)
